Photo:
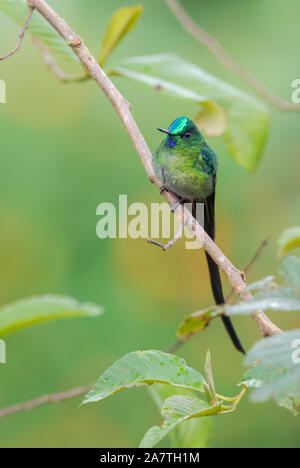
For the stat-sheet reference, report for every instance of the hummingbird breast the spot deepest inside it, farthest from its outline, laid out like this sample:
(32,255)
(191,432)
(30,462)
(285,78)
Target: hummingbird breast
(184,175)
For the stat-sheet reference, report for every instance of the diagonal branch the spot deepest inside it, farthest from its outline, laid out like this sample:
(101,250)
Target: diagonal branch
(183,340)
(21,36)
(224,58)
(236,277)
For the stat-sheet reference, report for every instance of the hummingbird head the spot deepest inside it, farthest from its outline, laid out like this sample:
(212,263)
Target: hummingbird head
(182,132)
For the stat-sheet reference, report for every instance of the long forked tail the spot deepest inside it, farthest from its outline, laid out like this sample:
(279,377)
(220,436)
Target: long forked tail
(214,272)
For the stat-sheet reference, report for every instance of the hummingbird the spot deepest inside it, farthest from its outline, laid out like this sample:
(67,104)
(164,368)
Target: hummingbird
(187,166)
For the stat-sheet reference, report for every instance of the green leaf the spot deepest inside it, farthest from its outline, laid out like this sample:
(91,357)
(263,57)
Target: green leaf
(263,373)
(39,309)
(194,433)
(39,27)
(276,351)
(289,241)
(260,374)
(197,321)
(245,128)
(145,368)
(269,296)
(290,268)
(282,303)
(263,285)
(176,410)
(209,109)
(279,354)
(209,376)
(211,119)
(122,22)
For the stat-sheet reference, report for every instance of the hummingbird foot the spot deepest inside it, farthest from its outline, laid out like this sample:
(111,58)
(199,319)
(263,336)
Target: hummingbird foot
(162,189)
(177,204)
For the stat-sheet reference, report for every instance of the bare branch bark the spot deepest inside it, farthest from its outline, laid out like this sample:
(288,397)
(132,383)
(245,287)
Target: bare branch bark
(182,341)
(224,58)
(236,277)
(21,36)
(250,264)
(60,74)
(53,398)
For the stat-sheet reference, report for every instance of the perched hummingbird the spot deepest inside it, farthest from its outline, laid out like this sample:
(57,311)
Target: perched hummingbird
(187,166)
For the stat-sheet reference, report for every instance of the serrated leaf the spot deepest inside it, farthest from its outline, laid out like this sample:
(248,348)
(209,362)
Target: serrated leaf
(253,383)
(122,22)
(263,373)
(247,121)
(145,368)
(265,284)
(289,241)
(39,309)
(290,268)
(39,27)
(289,403)
(176,410)
(260,374)
(282,303)
(279,354)
(194,433)
(275,351)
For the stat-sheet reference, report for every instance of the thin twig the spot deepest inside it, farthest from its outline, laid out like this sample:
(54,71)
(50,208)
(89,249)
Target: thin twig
(60,74)
(249,266)
(122,107)
(180,343)
(53,398)
(21,36)
(220,53)
(175,239)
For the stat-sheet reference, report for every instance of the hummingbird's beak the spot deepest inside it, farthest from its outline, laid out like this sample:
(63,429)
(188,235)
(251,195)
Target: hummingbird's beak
(164,131)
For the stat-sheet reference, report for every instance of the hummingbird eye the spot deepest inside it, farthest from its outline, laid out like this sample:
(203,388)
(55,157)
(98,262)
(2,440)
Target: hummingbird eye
(186,135)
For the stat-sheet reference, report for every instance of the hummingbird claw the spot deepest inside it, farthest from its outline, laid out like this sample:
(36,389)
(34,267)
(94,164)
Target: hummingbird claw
(162,189)
(176,204)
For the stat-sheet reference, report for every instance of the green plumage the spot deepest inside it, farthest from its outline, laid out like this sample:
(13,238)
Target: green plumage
(187,166)
(184,162)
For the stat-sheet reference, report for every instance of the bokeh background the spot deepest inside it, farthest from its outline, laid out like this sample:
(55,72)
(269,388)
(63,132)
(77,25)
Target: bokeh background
(64,151)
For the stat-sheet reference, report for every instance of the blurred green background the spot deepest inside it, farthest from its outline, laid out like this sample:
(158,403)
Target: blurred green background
(64,151)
